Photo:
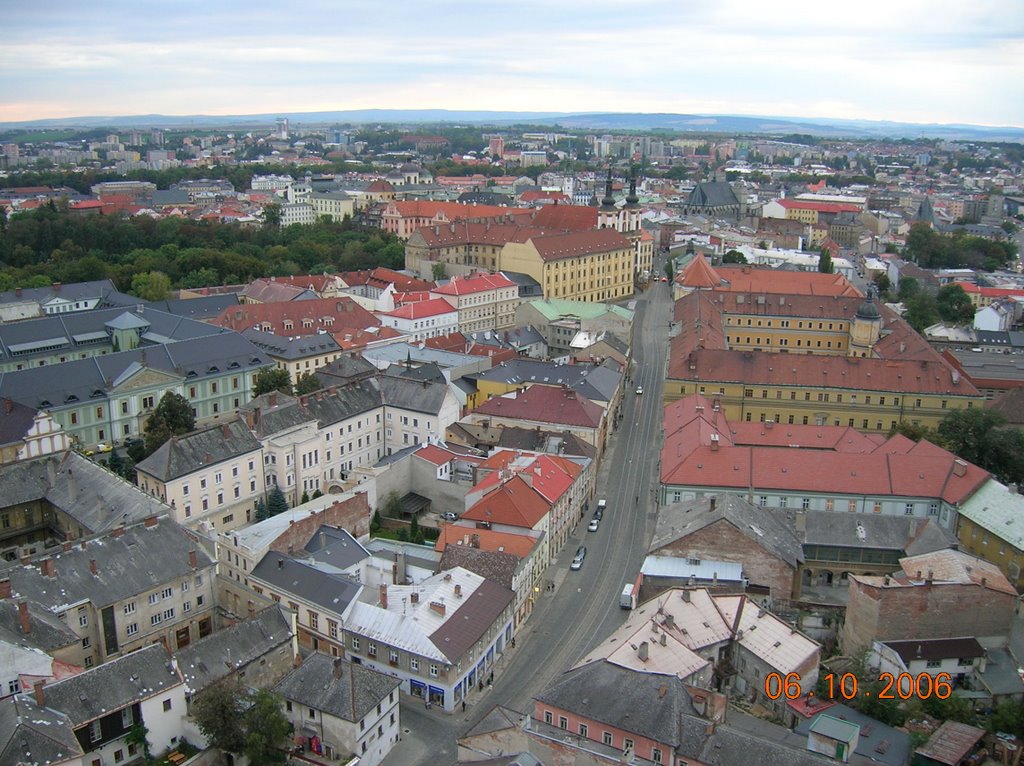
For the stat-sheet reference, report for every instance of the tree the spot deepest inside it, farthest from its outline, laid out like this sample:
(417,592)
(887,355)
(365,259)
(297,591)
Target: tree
(219,713)
(825,265)
(139,735)
(375,522)
(262,514)
(265,729)
(172,416)
(276,502)
(305,497)
(272,216)
(393,505)
(415,533)
(734,256)
(921,311)
(966,431)
(882,282)
(1008,717)
(954,304)
(307,383)
(438,271)
(909,287)
(151,286)
(271,379)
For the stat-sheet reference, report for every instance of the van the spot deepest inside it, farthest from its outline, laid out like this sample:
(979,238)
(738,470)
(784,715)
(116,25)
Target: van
(627,600)
(602,504)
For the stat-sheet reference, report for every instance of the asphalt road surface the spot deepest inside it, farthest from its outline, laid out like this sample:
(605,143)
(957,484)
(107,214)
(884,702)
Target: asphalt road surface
(584,607)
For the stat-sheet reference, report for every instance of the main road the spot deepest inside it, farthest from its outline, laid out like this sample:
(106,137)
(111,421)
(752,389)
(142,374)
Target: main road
(584,607)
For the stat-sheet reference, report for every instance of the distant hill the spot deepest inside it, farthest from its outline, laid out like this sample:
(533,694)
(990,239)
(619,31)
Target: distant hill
(695,123)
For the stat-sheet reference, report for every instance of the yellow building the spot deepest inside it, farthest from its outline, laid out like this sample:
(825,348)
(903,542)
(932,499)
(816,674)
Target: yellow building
(833,361)
(990,525)
(595,265)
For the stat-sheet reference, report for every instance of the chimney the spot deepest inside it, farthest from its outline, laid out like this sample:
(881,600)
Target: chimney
(458,590)
(40,694)
(339,668)
(686,596)
(280,563)
(225,431)
(48,568)
(642,650)
(118,531)
(56,287)
(474,540)
(23,617)
(8,406)
(252,610)
(959,467)
(414,597)
(670,619)
(437,606)
(92,566)
(5,588)
(929,578)
(383,597)
(150,521)
(712,503)
(193,559)
(272,398)
(714,442)
(663,639)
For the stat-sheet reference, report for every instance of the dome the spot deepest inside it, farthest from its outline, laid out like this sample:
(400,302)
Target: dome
(868,310)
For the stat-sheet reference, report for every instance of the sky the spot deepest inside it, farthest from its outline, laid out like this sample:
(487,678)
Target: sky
(945,61)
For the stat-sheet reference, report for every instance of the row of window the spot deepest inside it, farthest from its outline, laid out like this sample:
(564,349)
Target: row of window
(606,736)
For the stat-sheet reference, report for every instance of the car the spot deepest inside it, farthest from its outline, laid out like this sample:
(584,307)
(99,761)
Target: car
(599,514)
(450,516)
(593,525)
(602,504)
(101,447)
(639,389)
(664,279)
(577,562)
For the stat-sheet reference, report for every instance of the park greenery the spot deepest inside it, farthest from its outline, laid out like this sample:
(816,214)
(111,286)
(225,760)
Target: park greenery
(149,257)
(244,722)
(172,416)
(932,250)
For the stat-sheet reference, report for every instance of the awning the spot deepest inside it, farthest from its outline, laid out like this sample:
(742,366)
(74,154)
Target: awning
(436,690)
(414,684)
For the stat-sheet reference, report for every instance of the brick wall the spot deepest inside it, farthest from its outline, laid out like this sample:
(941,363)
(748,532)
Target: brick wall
(923,611)
(721,541)
(352,515)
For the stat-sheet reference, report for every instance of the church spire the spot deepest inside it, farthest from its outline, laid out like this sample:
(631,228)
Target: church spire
(632,200)
(608,200)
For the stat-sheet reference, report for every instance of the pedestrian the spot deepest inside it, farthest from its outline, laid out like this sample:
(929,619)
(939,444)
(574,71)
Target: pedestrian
(513,642)
(463,706)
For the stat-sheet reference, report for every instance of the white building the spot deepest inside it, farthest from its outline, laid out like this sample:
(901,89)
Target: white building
(423,319)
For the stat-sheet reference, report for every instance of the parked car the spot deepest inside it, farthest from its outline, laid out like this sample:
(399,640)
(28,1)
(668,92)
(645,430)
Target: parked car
(594,524)
(577,562)
(639,389)
(599,514)
(450,516)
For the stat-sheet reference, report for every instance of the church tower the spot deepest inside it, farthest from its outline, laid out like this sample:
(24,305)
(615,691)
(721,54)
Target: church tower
(608,216)
(632,210)
(866,328)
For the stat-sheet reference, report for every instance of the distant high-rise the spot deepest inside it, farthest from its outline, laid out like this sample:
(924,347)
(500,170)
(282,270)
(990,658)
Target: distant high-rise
(282,128)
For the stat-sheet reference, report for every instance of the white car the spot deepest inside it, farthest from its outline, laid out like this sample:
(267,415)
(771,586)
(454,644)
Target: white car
(450,516)
(593,525)
(639,389)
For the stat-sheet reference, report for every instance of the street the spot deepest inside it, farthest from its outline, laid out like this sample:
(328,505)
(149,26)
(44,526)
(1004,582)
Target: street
(584,608)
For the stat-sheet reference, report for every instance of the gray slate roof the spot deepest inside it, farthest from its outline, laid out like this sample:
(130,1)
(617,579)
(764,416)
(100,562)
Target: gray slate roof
(682,519)
(596,382)
(294,347)
(113,685)
(182,455)
(331,591)
(412,395)
(95,498)
(34,736)
(645,703)
(140,560)
(46,632)
(728,746)
(72,292)
(336,686)
(326,407)
(15,421)
(896,754)
(859,530)
(212,658)
(334,547)
(343,369)
(712,194)
(91,379)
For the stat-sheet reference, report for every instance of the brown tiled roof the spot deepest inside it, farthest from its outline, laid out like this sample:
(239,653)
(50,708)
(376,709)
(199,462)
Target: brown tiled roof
(698,274)
(471,620)
(545,404)
(753,280)
(569,217)
(345,315)
(476,233)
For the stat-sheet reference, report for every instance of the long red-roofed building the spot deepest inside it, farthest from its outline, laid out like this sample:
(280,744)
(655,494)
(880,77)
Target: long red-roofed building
(403,218)
(819,468)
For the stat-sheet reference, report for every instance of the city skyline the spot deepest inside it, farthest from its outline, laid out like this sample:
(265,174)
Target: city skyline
(910,61)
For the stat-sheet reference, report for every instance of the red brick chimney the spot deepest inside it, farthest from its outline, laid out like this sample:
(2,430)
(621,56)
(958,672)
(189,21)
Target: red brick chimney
(8,405)
(225,431)
(383,590)
(150,521)
(24,618)
(92,566)
(193,559)
(48,568)
(5,588)
(437,606)
(40,694)
(118,531)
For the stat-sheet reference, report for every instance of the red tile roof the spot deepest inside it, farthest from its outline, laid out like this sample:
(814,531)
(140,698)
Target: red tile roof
(699,275)
(821,207)
(452,211)
(568,217)
(545,404)
(514,504)
(333,315)
(476,233)
(434,454)
(421,309)
(554,247)
(752,280)
(476,283)
(379,186)
(381,277)
(486,540)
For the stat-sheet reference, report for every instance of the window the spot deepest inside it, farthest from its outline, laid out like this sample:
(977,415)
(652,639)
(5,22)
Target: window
(355,644)
(878,506)
(167,705)
(371,648)
(187,606)
(656,755)
(332,628)
(129,608)
(169,614)
(167,593)
(762,501)
(627,744)
(200,600)
(414,664)
(606,737)
(86,642)
(118,756)
(312,713)
(433,670)
(14,687)
(933,664)
(132,629)
(805,503)
(127,719)
(156,619)
(548,718)
(95,732)
(314,620)
(563,722)
(393,657)
(83,621)
(963,661)
(908,509)
(583,730)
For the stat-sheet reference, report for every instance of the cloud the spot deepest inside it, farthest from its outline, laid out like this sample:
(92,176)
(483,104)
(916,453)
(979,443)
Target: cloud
(932,61)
